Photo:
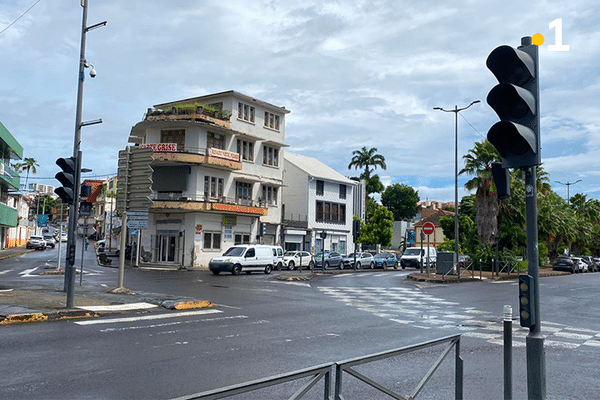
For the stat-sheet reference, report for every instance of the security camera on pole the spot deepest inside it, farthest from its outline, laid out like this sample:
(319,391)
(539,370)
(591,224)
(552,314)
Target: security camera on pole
(517,137)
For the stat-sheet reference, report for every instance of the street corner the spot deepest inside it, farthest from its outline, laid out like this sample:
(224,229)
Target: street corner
(185,304)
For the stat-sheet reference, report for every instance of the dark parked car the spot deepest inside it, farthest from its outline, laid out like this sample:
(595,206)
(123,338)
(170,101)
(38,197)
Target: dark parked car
(330,260)
(565,264)
(384,260)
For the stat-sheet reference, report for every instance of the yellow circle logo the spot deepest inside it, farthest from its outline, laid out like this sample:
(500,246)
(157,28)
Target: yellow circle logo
(537,39)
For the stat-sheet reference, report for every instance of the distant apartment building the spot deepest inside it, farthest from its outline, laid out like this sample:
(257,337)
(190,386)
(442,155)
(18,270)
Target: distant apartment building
(10,150)
(318,200)
(38,188)
(218,162)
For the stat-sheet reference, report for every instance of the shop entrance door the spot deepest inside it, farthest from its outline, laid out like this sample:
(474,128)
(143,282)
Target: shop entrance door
(167,248)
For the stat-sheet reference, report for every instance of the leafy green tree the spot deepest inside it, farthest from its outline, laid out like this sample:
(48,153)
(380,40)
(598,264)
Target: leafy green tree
(44,203)
(467,232)
(379,229)
(401,200)
(370,208)
(478,162)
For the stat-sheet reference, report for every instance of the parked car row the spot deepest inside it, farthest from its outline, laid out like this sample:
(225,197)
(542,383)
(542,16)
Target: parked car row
(576,264)
(250,258)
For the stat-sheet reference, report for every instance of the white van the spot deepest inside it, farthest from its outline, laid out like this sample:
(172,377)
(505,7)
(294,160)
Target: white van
(278,261)
(243,257)
(412,257)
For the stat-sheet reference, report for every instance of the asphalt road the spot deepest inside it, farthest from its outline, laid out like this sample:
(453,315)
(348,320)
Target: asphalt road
(262,327)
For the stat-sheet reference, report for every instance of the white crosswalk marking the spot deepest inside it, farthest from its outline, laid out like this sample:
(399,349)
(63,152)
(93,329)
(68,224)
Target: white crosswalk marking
(411,307)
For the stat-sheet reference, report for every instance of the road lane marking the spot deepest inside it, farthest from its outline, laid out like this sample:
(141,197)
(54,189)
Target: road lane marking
(120,307)
(27,273)
(175,323)
(5,271)
(147,317)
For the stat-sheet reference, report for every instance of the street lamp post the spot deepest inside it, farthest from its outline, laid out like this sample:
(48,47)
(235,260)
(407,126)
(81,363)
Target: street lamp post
(456,111)
(568,185)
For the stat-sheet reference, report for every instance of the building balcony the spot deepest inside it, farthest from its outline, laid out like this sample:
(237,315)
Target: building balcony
(216,158)
(8,215)
(8,176)
(178,202)
(295,221)
(193,113)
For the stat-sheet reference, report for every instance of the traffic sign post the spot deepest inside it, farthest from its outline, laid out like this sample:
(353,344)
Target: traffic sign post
(134,186)
(428,228)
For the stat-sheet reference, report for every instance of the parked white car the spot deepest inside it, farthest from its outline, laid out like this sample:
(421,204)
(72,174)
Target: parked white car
(413,256)
(243,257)
(278,260)
(300,259)
(36,242)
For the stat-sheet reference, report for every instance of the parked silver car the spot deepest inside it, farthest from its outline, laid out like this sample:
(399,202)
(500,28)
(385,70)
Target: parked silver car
(363,260)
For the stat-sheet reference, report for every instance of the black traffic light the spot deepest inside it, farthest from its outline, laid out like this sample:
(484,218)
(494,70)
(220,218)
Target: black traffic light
(85,208)
(355,229)
(261,229)
(71,255)
(67,177)
(526,301)
(516,101)
(502,180)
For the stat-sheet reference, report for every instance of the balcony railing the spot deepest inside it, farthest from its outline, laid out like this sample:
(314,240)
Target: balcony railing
(195,155)
(292,220)
(190,113)
(9,175)
(207,203)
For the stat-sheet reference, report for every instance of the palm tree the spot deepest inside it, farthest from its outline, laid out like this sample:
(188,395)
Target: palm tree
(29,164)
(478,162)
(367,158)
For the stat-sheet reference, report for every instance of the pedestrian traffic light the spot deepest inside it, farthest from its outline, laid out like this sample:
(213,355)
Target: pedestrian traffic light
(261,229)
(516,101)
(67,177)
(526,301)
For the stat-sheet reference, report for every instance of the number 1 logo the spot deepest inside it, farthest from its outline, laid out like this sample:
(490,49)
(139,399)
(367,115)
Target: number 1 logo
(538,38)
(557,24)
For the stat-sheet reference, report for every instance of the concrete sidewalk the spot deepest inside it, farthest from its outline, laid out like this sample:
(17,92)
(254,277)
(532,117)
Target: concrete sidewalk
(48,302)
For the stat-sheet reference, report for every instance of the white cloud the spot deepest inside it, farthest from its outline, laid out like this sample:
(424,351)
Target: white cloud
(353,74)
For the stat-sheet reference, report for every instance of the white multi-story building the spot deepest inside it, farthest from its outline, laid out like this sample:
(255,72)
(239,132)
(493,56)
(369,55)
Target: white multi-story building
(218,162)
(317,199)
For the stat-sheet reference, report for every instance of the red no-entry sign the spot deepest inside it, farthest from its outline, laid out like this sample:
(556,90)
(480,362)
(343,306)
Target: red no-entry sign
(428,228)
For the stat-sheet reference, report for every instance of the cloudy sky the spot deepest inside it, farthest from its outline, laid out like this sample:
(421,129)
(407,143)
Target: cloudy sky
(353,74)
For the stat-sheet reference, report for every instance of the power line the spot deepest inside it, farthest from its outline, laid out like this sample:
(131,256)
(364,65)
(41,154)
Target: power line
(12,23)
(462,116)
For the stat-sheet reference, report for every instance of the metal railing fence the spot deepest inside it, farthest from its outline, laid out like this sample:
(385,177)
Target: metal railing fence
(454,342)
(324,372)
(317,373)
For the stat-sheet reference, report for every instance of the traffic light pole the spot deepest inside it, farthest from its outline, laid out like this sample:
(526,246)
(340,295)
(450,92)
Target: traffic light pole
(72,236)
(536,368)
(74,209)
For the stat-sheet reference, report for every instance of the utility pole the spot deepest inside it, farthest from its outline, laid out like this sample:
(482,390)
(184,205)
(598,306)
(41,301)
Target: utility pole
(568,185)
